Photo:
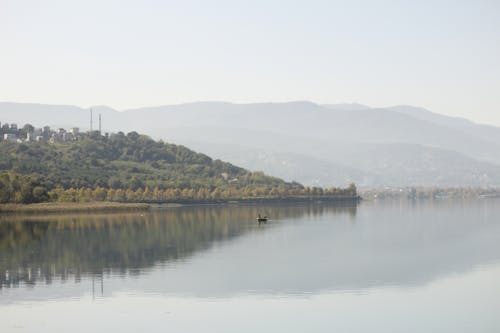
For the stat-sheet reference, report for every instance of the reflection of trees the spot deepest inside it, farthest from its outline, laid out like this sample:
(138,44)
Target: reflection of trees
(34,249)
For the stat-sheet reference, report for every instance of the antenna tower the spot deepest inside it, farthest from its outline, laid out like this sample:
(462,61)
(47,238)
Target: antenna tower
(91,120)
(100,124)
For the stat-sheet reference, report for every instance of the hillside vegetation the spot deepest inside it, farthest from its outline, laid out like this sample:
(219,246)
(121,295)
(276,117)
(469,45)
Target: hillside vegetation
(131,168)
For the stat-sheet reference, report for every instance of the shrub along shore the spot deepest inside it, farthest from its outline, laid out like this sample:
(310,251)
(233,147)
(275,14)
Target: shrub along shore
(72,207)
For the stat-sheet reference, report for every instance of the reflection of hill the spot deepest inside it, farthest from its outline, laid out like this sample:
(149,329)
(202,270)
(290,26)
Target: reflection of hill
(41,249)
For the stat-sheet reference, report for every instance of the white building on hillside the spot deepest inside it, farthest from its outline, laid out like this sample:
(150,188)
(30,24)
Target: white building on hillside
(10,137)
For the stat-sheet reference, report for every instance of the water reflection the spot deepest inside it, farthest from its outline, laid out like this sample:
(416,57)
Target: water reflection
(222,252)
(397,266)
(37,249)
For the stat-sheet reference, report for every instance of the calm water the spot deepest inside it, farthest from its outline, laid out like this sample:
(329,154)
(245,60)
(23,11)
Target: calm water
(378,267)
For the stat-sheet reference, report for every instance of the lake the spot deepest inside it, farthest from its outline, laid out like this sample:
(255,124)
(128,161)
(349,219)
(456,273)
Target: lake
(421,266)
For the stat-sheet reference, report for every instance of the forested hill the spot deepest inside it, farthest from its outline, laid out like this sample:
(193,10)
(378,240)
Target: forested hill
(125,161)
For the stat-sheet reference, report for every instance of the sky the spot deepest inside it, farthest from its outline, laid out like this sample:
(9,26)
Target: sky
(441,55)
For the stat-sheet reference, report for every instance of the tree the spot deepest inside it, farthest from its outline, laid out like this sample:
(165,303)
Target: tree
(351,190)
(133,136)
(40,194)
(28,128)
(135,184)
(115,183)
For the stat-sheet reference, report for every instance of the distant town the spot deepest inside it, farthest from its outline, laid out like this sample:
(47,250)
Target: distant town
(28,133)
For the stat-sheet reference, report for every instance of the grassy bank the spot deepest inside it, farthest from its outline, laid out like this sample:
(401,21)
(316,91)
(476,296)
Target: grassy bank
(71,207)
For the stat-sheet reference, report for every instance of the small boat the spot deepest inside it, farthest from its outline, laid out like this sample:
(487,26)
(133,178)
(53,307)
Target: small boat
(261,219)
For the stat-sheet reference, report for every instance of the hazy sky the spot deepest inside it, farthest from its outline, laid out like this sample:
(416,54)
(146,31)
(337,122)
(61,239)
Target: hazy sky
(442,55)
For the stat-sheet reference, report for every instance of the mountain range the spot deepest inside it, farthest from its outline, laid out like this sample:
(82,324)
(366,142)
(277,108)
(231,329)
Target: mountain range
(310,143)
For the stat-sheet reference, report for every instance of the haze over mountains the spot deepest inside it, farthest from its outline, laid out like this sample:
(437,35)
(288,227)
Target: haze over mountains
(310,143)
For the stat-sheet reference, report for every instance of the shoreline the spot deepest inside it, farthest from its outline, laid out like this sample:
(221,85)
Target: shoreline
(105,206)
(72,207)
(290,200)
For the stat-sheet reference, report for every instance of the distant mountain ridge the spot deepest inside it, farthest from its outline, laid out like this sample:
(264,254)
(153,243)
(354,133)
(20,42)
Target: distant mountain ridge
(340,143)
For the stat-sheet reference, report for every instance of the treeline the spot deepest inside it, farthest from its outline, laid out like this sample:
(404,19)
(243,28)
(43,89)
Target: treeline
(15,188)
(202,194)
